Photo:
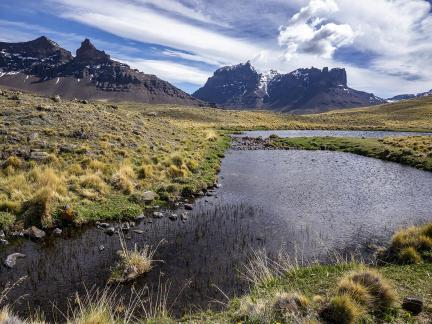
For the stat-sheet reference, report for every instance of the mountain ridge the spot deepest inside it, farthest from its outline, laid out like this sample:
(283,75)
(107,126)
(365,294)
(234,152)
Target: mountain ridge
(42,66)
(300,91)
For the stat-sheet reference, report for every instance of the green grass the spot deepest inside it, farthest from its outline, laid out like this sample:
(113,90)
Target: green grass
(387,149)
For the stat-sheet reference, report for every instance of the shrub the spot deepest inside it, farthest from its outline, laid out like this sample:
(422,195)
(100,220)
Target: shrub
(409,255)
(341,310)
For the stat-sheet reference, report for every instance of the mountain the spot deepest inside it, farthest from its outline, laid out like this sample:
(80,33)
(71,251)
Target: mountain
(301,91)
(43,67)
(409,96)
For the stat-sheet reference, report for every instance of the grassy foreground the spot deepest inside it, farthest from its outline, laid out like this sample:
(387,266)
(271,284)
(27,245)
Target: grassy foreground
(79,162)
(284,292)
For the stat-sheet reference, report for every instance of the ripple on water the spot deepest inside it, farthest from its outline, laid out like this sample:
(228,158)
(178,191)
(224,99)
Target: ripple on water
(304,203)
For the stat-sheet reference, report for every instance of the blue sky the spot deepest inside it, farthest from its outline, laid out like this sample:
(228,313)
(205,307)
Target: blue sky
(386,45)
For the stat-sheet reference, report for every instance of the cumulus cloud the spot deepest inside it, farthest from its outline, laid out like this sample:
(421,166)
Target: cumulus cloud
(307,32)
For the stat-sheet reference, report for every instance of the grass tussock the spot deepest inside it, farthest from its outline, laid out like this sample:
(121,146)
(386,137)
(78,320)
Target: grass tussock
(341,310)
(412,245)
(123,179)
(132,263)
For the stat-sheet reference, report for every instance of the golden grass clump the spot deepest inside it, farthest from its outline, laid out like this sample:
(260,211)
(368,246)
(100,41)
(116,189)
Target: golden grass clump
(358,292)
(123,179)
(342,310)
(382,295)
(96,165)
(290,306)
(252,310)
(177,172)
(133,263)
(409,255)
(93,181)
(14,162)
(145,171)
(410,246)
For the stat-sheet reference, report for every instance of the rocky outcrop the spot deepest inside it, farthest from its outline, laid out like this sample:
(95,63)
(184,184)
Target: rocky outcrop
(42,66)
(301,91)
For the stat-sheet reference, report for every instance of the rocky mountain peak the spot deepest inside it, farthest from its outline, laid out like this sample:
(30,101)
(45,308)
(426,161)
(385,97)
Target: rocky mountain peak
(88,53)
(305,89)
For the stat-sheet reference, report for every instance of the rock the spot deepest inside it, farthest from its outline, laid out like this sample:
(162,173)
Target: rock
(125,227)
(132,224)
(152,114)
(218,185)
(85,102)
(4,242)
(14,97)
(138,231)
(413,305)
(149,196)
(184,216)
(140,217)
(10,261)
(2,234)
(173,217)
(33,136)
(101,248)
(34,233)
(102,225)
(56,98)
(57,232)
(17,234)
(67,148)
(110,230)
(188,206)
(157,215)
(39,155)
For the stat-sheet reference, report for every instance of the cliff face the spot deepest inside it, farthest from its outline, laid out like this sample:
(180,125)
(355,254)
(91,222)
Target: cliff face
(301,91)
(42,66)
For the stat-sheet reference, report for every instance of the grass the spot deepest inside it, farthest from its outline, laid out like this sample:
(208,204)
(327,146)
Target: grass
(111,151)
(413,151)
(412,245)
(133,263)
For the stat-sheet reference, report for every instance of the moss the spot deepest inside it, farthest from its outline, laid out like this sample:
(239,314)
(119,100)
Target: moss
(113,208)
(6,220)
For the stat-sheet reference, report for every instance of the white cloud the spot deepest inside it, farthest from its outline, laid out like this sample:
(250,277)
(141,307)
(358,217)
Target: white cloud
(192,57)
(134,22)
(307,32)
(170,71)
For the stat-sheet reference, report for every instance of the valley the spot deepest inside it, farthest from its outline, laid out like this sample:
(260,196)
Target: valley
(142,168)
